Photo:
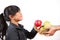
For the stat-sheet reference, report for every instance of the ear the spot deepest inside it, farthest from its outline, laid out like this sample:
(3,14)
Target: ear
(10,16)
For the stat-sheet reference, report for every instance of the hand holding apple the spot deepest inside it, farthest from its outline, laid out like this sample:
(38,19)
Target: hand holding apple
(45,25)
(37,25)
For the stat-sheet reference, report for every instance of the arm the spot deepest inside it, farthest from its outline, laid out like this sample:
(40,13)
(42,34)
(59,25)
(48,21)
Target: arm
(31,34)
(57,27)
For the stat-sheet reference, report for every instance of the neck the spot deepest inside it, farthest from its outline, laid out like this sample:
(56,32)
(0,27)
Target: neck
(14,22)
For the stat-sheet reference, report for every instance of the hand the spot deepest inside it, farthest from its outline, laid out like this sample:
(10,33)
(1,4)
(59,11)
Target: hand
(50,31)
(37,29)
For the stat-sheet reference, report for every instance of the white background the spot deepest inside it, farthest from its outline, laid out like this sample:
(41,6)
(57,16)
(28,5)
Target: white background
(37,9)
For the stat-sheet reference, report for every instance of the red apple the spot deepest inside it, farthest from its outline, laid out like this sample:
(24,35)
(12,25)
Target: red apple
(38,23)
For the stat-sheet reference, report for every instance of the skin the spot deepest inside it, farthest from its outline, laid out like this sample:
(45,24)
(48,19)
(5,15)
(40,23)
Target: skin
(51,30)
(16,18)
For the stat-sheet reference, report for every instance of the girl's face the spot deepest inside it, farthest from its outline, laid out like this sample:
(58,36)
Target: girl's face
(17,17)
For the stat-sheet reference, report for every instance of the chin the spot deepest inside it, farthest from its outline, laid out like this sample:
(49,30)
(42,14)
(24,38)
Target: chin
(20,20)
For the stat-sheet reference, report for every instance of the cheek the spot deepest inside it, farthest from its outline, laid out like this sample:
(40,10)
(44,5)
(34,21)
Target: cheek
(18,17)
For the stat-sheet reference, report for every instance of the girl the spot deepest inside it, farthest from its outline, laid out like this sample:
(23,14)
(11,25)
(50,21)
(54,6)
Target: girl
(15,30)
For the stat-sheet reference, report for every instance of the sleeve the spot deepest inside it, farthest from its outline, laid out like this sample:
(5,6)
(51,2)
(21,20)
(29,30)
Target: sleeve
(10,35)
(31,34)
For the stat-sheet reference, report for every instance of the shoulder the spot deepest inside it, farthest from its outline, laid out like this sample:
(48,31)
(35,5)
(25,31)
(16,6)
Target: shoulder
(10,29)
(22,26)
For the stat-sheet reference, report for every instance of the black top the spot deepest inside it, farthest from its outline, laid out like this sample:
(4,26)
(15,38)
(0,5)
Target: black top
(19,33)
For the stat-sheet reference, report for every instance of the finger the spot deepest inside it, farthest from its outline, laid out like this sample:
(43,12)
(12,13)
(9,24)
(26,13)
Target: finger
(49,31)
(47,35)
(37,29)
(50,35)
(46,31)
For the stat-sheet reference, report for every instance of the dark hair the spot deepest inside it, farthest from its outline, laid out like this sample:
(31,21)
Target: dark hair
(10,10)
(3,26)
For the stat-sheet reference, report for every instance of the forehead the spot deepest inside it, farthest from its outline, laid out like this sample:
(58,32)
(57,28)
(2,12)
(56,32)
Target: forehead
(19,12)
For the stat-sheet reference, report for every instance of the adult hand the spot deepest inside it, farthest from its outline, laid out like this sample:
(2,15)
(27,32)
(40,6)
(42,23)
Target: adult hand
(50,31)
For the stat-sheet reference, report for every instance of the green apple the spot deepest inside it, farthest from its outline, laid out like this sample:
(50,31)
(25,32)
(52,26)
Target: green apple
(42,29)
(45,25)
